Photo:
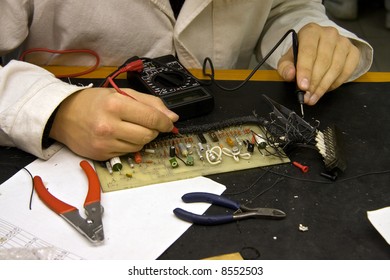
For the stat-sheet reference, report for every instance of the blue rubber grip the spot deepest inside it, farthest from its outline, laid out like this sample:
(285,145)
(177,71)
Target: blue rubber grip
(210,198)
(202,220)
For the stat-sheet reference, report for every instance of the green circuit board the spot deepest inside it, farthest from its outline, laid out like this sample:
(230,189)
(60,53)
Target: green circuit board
(186,156)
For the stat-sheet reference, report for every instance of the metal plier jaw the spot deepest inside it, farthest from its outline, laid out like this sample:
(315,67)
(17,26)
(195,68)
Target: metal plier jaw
(92,226)
(241,211)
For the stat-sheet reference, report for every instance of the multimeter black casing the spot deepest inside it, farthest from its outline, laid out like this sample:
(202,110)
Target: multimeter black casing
(168,79)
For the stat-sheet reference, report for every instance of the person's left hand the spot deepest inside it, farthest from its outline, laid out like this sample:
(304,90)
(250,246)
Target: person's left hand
(325,61)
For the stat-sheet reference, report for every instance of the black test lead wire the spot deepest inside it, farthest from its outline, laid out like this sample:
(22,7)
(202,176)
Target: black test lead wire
(211,75)
(295,46)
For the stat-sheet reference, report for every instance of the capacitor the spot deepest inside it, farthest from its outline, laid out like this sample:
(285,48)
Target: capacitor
(230,142)
(260,142)
(172,151)
(201,149)
(116,164)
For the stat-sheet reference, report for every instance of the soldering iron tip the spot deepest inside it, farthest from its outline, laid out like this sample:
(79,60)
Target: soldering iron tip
(302,113)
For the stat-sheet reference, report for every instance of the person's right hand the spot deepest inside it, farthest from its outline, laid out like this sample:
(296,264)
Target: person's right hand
(99,123)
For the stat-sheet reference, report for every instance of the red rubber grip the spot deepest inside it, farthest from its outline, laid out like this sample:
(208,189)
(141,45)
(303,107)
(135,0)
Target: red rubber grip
(93,194)
(51,201)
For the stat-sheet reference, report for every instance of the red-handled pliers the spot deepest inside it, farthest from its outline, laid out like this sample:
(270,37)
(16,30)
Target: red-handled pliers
(92,226)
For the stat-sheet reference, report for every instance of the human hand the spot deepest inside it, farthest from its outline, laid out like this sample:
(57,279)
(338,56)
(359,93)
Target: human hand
(325,61)
(99,123)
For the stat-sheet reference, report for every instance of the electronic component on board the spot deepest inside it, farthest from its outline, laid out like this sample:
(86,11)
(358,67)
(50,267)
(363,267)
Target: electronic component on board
(173,162)
(176,157)
(116,164)
(201,138)
(213,136)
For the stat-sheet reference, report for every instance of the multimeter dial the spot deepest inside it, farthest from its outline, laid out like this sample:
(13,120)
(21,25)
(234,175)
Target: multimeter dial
(166,78)
(169,79)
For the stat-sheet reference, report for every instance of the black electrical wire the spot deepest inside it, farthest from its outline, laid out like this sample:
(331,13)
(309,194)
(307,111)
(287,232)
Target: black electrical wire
(211,75)
(31,176)
(194,129)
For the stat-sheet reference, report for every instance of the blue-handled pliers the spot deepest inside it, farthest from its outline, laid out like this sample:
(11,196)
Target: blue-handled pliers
(241,211)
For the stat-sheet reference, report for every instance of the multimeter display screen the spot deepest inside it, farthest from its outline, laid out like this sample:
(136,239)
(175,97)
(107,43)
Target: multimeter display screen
(185,97)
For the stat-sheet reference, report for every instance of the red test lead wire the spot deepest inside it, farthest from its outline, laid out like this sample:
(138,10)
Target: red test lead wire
(136,65)
(62,52)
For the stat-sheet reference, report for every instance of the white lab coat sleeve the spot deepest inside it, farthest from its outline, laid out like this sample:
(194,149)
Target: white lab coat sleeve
(14,22)
(287,15)
(28,96)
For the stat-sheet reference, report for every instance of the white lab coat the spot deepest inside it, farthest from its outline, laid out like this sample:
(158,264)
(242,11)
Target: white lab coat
(228,31)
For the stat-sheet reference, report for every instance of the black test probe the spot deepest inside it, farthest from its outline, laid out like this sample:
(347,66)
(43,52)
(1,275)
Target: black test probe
(300,93)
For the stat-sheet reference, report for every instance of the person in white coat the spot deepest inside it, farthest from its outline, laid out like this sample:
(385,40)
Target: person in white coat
(94,122)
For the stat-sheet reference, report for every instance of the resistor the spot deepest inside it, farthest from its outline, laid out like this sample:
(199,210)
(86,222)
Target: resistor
(150,151)
(130,162)
(183,149)
(247,130)
(199,154)
(189,148)
(108,166)
(116,164)
(137,157)
(239,142)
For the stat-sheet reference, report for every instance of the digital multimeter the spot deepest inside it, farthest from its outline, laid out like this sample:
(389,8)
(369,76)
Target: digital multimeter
(168,79)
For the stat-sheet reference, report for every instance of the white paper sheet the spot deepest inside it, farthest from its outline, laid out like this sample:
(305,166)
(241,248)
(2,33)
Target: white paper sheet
(138,223)
(381,221)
